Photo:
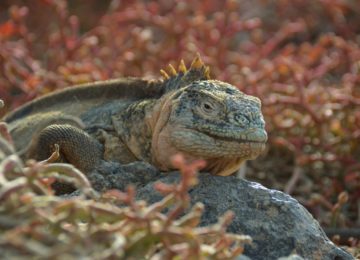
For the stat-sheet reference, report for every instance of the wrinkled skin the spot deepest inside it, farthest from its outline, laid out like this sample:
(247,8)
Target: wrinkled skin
(211,120)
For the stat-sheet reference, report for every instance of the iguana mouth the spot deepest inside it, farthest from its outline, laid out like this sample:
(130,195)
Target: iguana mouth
(219,136)
(210,145)
(230,139)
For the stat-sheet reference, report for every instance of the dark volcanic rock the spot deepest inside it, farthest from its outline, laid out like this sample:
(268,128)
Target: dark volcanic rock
(111,175)
(277,223)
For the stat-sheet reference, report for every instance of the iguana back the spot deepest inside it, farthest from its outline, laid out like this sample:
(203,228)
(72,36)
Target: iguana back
(70,104)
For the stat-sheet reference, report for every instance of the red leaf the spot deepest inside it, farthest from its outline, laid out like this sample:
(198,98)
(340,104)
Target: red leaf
(7,29)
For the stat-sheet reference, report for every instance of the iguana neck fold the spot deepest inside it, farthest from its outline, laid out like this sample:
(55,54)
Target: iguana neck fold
(141,129)
(134,127)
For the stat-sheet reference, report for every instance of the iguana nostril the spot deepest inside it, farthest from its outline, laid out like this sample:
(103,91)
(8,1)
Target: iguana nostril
(242,120)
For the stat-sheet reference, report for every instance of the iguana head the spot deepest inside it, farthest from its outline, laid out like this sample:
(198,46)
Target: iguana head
(208,119)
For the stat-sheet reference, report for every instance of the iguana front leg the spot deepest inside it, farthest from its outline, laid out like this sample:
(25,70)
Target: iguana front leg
(76,146)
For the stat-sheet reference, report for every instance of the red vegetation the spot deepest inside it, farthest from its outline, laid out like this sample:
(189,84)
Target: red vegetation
(35,223)
(302,58)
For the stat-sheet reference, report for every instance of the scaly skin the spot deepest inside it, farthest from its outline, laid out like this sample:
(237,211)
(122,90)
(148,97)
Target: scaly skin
(146,120)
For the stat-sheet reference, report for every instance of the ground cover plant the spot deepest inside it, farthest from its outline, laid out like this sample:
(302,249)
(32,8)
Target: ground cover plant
(301,58)
(36,223)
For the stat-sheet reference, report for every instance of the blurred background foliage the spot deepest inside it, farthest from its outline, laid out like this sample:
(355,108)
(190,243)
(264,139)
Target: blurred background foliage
(300,57)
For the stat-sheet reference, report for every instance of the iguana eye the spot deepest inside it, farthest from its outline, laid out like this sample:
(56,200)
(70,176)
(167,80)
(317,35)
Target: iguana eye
(208,108)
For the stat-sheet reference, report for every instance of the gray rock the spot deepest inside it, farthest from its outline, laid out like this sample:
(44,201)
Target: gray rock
(112,175)
(277,223)
(291,257)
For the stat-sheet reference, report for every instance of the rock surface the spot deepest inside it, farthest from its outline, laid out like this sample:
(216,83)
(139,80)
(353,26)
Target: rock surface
(277,223)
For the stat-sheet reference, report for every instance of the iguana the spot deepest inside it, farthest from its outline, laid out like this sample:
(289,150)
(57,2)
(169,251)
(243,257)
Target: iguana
(133,119)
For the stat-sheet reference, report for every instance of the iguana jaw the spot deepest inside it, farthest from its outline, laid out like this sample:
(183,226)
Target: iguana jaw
(219,149)
(223,156)
(248,145)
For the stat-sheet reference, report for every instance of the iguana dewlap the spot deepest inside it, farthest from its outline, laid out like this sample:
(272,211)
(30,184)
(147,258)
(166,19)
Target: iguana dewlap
(134,119)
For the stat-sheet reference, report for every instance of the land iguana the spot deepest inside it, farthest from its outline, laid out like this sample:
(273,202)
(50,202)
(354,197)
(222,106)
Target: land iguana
(134,119)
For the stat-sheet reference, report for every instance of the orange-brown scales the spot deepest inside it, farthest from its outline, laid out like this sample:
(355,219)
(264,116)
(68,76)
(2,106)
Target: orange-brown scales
(133,119)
